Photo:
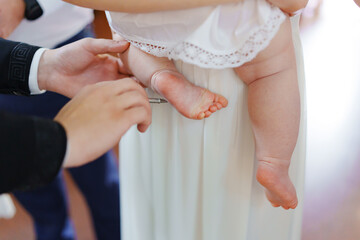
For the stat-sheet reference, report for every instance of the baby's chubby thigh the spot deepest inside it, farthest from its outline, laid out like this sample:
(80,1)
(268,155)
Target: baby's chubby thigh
(277,57)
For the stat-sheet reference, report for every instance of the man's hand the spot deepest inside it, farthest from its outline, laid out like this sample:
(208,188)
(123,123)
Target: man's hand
(68,69)
(11,14)
(99,115)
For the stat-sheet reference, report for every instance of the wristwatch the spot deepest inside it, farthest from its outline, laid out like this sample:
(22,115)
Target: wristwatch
(33,10)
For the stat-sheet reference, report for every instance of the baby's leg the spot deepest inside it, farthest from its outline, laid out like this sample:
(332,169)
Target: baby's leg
(274,108)
(161,75)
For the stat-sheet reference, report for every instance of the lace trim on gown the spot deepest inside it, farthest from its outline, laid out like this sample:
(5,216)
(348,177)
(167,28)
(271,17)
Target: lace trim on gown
(188,52)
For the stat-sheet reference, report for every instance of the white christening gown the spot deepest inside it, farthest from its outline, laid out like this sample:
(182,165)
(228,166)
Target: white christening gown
(195,180)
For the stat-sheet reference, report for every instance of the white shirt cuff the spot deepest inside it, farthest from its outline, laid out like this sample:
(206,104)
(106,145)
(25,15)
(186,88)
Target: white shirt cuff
(33,76)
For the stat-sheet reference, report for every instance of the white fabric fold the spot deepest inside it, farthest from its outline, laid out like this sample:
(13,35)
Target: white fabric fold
(195,180)
(218,37)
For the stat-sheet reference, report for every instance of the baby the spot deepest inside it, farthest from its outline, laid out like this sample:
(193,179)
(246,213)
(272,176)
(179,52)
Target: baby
(260,49)
(273,96)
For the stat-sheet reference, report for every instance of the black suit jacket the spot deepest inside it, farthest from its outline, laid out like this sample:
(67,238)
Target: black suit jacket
(31,149)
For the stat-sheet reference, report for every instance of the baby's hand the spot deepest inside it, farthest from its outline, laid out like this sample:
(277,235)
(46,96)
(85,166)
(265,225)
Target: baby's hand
(290,6)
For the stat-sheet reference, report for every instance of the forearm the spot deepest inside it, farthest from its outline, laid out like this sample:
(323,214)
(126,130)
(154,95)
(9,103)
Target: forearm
(139,6)
(289,6)
(32,151)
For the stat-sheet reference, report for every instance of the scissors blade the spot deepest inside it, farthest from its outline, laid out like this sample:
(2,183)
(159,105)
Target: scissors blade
(157,100)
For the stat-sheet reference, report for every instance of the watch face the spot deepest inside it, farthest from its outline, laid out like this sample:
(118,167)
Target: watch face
(33,10)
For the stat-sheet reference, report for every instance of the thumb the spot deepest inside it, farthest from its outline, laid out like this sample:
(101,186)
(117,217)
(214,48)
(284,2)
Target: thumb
(101,46)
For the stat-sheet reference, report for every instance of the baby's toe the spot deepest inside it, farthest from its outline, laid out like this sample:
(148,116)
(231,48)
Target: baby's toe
(207,114)
(213,108)
(219,106)
(222,100)
(201,116)
(293,205)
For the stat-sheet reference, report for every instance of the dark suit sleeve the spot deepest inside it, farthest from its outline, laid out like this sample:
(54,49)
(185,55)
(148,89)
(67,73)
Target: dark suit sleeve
(31,151)
(15,63)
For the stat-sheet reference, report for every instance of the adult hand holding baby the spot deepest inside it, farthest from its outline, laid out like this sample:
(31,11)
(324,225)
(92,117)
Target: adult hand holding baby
(102,111)
(11,14)
(67,69)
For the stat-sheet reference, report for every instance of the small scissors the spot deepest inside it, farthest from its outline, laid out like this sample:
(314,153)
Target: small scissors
(157,100)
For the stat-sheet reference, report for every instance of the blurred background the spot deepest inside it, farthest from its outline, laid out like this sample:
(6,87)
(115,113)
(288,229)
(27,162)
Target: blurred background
(331,40)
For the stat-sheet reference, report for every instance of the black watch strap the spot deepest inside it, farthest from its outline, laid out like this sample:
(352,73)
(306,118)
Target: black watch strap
(33,10)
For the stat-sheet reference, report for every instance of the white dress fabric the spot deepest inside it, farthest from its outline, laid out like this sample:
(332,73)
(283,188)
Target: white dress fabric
(195,180)
(215,37)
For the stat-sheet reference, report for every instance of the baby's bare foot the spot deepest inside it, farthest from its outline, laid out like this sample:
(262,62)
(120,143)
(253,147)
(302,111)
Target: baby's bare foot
(273,174)
(190,100)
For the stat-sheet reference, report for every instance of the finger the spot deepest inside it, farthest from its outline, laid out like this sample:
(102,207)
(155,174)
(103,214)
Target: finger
(112,64)
(117,36)
(122,76)
(122,68)
(101,46)
(132,99)
(138,81)
(142,127)
(121,86)
(118,87)
(138,115)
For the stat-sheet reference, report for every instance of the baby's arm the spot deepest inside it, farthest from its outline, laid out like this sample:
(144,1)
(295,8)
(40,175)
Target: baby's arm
(289,6)
(141,6)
